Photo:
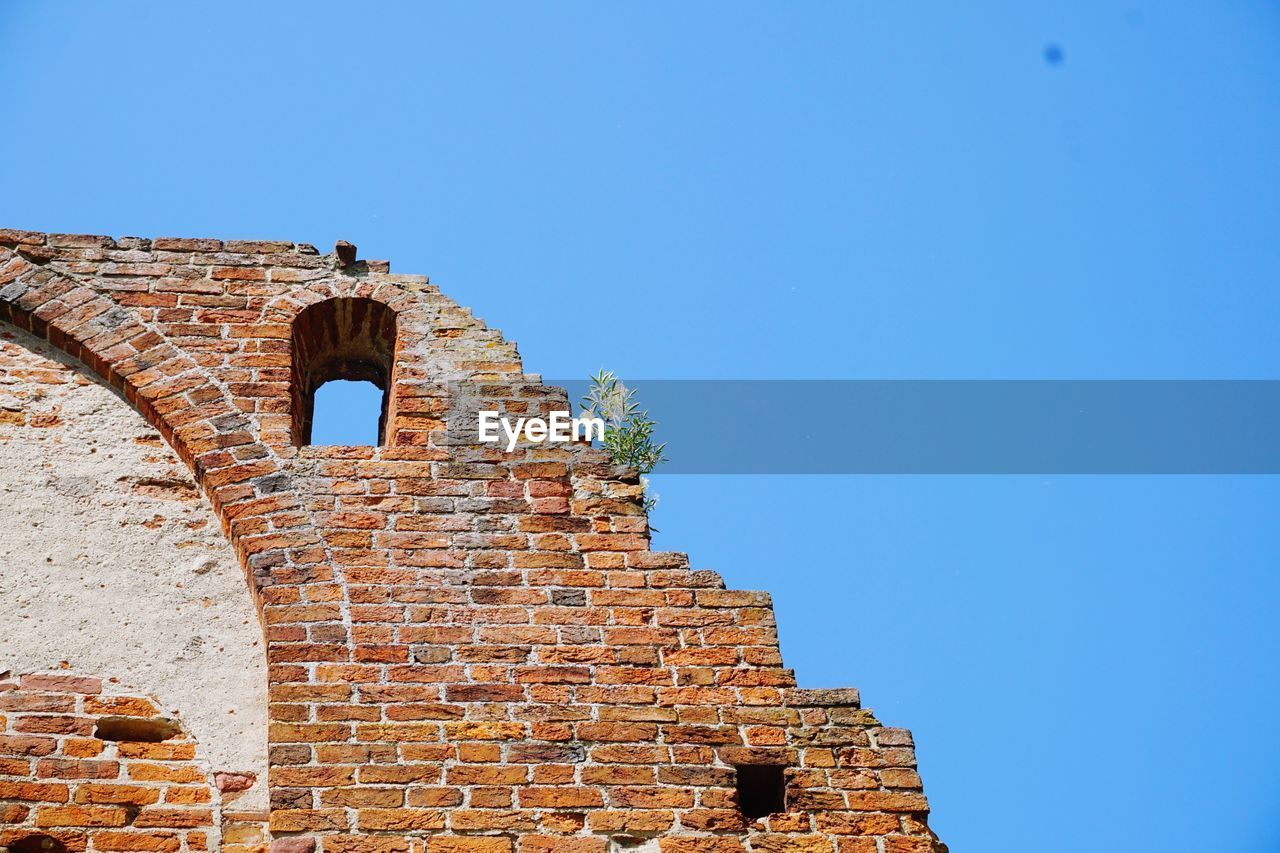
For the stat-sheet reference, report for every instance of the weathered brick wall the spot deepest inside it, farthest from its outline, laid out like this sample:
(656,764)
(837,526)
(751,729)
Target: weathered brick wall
(96,771)
(112,564)
(467,649)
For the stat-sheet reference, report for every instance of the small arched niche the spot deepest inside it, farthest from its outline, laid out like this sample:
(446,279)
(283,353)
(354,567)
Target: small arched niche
(348,339)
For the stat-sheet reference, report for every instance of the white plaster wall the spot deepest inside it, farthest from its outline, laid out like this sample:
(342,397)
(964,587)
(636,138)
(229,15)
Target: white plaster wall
(112,563)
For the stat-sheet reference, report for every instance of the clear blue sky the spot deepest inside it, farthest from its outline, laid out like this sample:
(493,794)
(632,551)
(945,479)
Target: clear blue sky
(852,190)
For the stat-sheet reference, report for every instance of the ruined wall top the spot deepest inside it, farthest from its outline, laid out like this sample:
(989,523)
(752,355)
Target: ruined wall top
(468,649)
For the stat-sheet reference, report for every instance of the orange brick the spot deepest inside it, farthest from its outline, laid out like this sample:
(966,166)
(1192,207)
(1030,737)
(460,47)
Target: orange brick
(173,818)
(700,845)
(142,772)
(48,792)
(125,706)
(463,844)
(80,816)
(401,819)
(157,751)
(117,795)
(82,747)
(307,820)
(559,844)
(151,842)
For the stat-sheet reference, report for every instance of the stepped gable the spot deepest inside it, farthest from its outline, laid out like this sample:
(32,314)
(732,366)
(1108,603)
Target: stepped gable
(466,649)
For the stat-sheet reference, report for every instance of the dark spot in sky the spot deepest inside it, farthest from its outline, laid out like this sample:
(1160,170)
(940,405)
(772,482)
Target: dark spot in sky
(1053,54)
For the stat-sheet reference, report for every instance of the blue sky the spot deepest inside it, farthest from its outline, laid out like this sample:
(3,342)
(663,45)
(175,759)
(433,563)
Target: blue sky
(846,190)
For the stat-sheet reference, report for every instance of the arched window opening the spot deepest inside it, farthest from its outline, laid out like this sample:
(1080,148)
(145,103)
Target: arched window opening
(351,340)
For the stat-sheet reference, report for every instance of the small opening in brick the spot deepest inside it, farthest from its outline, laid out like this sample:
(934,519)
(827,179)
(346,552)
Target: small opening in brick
(37,844)
(140,729)
(347,413)
(350,340)
(761,790)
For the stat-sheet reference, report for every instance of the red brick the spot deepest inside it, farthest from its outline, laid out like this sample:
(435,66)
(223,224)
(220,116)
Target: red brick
(26,745)
(61,684)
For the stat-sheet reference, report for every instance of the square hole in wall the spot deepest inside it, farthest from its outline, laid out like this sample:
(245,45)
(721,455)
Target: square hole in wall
(37,844)
(762,790)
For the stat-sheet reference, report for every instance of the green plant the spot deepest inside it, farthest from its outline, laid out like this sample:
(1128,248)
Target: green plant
(628,429)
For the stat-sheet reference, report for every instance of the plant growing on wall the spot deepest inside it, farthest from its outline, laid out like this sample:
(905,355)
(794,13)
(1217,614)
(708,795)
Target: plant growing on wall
(628,429)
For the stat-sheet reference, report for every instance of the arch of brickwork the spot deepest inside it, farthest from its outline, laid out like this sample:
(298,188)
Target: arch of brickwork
(467,649)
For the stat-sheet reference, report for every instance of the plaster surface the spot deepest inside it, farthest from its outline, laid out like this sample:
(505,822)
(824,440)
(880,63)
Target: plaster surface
(112,563)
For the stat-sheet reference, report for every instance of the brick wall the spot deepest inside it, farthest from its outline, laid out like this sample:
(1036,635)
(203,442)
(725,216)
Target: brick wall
(92,771)
(112,565)
(468,650)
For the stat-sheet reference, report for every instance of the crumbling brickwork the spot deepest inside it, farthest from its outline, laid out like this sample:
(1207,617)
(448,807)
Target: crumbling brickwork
(112,563)
(467,649)
(89,770)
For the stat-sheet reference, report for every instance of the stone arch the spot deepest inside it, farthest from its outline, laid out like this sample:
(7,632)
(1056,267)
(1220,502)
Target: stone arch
(244,480)
(119,567)
(285,307)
